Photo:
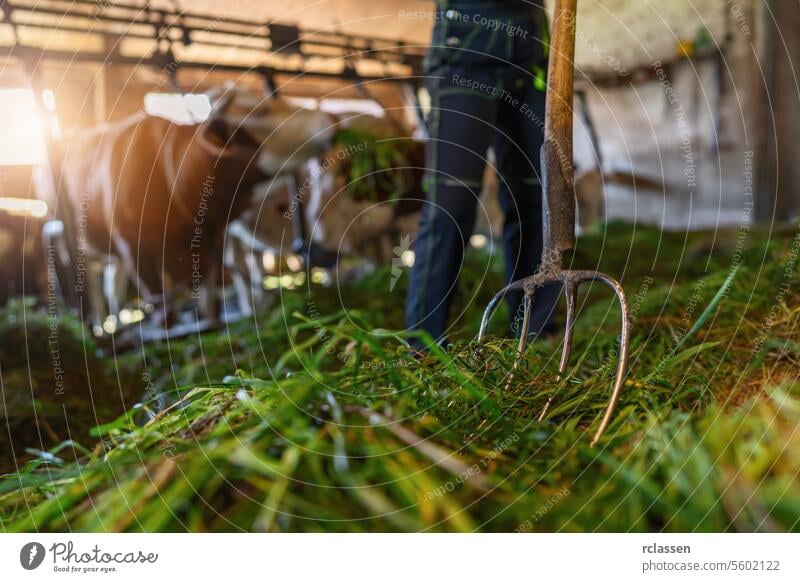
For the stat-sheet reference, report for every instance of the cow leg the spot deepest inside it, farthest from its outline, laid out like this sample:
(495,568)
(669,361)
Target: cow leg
(256,274)
(94,294)
(209,302)
(233,257)
(59,268)
(165,314)
(115,285)
(129,264)
(150,285)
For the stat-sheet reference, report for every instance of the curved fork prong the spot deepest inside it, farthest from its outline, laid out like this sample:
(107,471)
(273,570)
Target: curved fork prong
(527,307)
(492,307)
(570,295)
(488,312)
(622,365)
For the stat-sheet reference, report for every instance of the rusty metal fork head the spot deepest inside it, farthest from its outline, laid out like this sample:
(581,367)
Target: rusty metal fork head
(569,281)
(559,213)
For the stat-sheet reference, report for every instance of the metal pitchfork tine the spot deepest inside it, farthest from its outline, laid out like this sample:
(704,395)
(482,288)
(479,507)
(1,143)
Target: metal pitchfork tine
(559,213)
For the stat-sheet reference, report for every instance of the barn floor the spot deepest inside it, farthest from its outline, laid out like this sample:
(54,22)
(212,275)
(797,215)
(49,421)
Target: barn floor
(309,420)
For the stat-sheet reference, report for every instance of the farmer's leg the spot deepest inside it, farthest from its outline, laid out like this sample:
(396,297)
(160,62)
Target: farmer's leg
(461,125)
(517,143)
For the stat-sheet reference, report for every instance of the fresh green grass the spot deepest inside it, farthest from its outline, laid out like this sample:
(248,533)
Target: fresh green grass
(314,418)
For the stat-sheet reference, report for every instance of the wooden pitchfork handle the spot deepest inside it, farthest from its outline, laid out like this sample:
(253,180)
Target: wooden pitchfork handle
(556,154)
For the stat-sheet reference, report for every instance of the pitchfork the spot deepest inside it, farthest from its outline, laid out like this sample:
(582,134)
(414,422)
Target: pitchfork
(559,213)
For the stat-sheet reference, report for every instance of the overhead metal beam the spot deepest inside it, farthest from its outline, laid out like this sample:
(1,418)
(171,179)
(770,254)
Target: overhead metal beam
(29,53)
(168,29)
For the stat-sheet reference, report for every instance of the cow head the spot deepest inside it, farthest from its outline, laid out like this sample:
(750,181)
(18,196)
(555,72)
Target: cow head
(287,135)
(337,223)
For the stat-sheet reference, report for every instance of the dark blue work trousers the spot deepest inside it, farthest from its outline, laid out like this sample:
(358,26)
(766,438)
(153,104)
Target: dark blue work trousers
(481,75)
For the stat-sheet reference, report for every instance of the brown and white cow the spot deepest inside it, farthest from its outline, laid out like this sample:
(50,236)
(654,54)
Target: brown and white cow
(314,205)
(336,224)
(158,196)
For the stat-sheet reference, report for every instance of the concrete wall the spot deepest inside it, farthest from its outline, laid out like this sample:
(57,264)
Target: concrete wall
(635,33)
(690,125)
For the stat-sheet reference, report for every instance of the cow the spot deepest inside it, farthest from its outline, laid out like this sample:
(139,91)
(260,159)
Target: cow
(155,197)
(295,215)
(319,207)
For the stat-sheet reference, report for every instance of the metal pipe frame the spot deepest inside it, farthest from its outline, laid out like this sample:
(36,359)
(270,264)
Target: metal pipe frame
(124,20)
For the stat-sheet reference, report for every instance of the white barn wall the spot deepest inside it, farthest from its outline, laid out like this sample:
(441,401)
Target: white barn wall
(638,127)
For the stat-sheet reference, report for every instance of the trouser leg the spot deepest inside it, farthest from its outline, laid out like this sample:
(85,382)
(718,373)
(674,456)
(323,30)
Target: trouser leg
(461,128)
(517,143)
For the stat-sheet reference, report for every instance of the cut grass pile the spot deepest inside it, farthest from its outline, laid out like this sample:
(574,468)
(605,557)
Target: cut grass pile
(315,418)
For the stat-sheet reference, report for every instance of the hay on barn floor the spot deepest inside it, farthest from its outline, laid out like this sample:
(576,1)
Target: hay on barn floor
(53,387)
(311,421)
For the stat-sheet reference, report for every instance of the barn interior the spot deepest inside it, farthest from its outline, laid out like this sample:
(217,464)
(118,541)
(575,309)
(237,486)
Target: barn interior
(295,404)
